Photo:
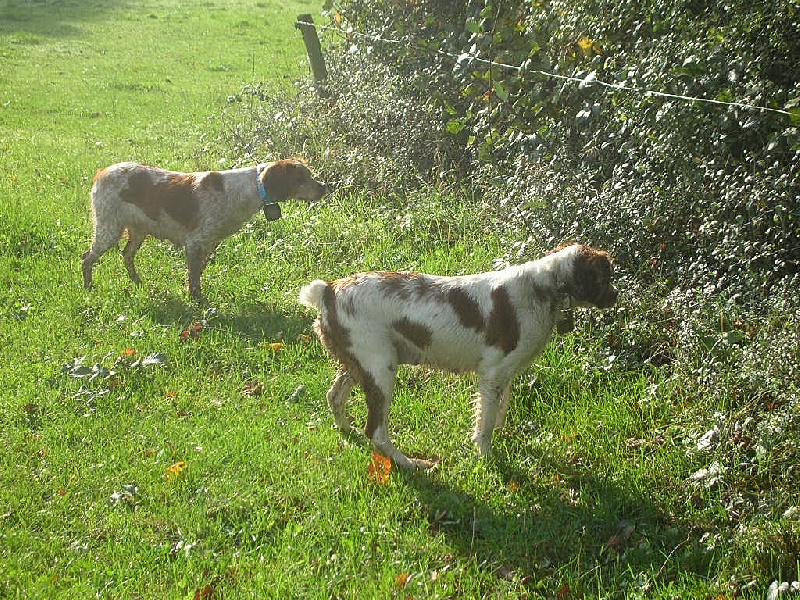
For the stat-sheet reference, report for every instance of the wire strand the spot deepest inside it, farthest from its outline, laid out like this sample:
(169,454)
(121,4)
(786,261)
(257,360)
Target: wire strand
(586,81)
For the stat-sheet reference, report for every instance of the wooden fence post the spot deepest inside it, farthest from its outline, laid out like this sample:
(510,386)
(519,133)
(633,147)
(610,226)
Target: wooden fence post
(306,24)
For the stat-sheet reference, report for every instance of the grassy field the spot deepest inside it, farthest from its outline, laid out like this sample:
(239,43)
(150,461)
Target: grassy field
(154,448)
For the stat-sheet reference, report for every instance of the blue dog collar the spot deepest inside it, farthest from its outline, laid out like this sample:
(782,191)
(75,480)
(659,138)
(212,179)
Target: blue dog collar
(262,191)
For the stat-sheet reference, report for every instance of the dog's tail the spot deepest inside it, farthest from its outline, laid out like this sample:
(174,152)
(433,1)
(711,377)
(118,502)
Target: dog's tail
(312,294)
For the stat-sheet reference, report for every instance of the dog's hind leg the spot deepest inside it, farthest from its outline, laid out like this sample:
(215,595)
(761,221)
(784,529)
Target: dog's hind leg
(102,241)
(337,399)
(377,380)
(135,239)
(505,400)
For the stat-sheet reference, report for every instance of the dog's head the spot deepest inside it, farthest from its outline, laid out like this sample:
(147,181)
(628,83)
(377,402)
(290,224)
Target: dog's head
(586,275)
(291,178)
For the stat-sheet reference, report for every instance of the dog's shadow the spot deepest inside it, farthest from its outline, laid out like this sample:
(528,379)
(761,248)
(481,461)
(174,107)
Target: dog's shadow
(559,520)
(256,321)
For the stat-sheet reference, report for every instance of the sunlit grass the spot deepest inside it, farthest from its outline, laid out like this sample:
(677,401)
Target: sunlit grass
(104,392)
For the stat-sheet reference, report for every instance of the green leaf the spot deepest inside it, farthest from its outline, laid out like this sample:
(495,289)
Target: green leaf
(795,116)
(501,91)
(455,126)
(473,26)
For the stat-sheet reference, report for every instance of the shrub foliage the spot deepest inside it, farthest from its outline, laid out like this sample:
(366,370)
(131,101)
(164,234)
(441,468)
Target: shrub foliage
(704,195)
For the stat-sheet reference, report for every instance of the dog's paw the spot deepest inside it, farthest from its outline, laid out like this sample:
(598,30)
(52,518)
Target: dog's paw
(483,445)
(345,428)
(426,464)
(417,462)
(410,464)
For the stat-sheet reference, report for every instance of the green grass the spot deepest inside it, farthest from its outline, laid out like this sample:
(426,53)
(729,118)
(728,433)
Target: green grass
(587,494)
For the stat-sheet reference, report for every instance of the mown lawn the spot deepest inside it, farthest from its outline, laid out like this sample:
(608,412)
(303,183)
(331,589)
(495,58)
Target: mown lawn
(156,448)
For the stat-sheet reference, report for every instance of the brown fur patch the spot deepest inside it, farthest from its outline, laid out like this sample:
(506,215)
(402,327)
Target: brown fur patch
(340,284)
(100,174)
(592,278)
(400,284)
(416,333)
(337,337)
(466,308)
(396,277)
(376,401)
(345,302)
(502,328)
(214,181)
(174,194)
(397,284)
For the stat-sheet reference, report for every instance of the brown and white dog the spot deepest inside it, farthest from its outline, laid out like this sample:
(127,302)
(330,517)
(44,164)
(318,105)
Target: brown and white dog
(493,324)
(193,210)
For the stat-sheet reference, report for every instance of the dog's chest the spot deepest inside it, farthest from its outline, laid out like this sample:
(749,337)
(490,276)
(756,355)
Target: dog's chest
(220,224)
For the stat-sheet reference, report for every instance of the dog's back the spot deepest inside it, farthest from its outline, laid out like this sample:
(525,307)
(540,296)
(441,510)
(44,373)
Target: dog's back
(454,323)
(166,204)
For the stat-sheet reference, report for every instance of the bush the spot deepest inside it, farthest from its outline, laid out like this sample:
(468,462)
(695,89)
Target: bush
(366,130)
(702,195)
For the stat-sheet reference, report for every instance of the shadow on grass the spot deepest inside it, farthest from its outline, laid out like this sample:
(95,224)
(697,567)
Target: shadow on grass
(53,18)
(568,527)
(260,322)
(556,524)
(254,321)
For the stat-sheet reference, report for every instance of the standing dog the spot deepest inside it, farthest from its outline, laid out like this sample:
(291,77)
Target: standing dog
(193,210)
(493,323)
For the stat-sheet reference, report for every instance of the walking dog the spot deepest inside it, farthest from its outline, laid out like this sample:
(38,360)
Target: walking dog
(195,211)
(493,324)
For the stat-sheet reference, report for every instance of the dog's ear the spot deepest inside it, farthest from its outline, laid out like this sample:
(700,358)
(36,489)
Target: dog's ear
(590,279)
(282,178)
